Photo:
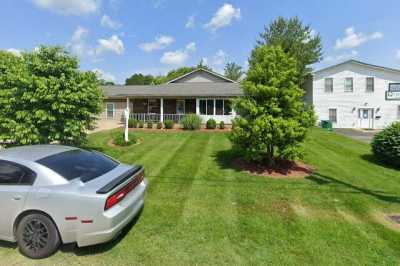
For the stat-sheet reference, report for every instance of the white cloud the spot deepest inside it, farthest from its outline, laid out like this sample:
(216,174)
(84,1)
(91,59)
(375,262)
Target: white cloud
(205,61)
(104,75)
(340,57)
(398,54)
(353,39)
(190,22)
(108,22)
(160,42)
(77,45)
(179,57)
(14,51)
(219,58)
(223,17)
(69,7)
(114,45)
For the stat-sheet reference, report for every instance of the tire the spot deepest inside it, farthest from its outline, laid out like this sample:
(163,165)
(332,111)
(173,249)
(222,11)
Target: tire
(37,236)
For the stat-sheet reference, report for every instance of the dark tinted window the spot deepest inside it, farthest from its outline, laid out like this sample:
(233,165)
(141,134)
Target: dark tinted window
(82,164)
(203,107)
(14,174)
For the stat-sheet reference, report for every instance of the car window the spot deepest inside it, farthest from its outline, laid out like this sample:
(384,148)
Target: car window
(86,165)
(15,174)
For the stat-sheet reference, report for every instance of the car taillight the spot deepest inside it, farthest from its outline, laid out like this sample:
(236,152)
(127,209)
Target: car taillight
(121,194)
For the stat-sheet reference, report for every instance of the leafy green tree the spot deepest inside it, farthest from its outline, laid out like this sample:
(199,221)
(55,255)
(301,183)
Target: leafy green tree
(104,82)
(233,71)
(273,119)
(45,98)
(139,79)
(202,65)
(173,74)
(297,40)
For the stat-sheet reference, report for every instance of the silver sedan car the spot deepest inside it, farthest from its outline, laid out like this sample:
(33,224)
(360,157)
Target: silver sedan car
(53,194)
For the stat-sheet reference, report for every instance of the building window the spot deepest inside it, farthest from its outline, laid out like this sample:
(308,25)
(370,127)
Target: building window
(210,107)
(203,107)
(329,85)
(219,107)
(348,85)
(110,110)
(370,85)
(227,107)
(333,115)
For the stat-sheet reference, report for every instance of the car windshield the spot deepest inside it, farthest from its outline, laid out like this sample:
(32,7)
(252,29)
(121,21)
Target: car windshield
(86,165)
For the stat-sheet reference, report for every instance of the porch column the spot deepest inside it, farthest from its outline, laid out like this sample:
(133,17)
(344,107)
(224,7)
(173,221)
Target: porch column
(161,110)
(197,106)
(214,108)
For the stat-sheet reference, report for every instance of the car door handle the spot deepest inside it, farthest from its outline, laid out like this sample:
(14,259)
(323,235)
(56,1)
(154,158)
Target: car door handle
(17,198)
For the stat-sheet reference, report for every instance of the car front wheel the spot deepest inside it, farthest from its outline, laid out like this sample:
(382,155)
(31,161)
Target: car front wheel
(37,236)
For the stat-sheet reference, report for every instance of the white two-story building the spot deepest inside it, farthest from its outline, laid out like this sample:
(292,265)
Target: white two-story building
(354,94)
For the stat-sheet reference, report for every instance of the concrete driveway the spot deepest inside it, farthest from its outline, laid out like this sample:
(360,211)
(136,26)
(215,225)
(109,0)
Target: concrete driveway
(358,134)
(106,125)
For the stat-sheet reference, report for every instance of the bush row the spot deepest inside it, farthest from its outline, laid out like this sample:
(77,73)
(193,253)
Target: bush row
(189,122)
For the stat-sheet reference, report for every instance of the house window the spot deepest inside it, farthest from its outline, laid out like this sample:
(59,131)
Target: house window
(370,85)
(210,107)
(110,110)
(227,107)
(329,85)
(333,115)
(348,85)
(203,107)
(219,107)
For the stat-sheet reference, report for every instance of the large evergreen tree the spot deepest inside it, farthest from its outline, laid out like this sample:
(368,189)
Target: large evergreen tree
(273,119)
(297,40)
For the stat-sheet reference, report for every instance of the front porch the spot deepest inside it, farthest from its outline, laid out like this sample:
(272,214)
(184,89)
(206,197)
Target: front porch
(162,109)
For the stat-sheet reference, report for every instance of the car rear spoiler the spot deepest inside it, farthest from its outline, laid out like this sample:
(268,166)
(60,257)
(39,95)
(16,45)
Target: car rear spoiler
(121,179)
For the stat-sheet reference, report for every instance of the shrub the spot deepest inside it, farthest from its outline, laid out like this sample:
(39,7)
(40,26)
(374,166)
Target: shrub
(221,125)
(141,124)
(191,122)
(119,139)
(159,125)
(132,123)
(211,124)
(273,119)
(169,124)
(386,145)
(149,125)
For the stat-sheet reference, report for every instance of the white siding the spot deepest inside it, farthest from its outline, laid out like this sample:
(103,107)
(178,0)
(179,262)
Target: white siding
(348,103)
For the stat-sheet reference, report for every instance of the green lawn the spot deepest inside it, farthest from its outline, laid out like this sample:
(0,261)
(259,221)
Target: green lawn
(201,211)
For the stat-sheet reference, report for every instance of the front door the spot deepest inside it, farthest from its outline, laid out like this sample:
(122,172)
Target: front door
(366,116)
(180,107)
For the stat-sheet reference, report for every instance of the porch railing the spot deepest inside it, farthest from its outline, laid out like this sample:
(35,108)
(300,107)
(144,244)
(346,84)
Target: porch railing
(156,117)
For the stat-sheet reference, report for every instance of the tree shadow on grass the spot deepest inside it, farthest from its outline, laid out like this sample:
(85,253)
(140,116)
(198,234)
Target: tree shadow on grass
(101,248)
(321,179)
(372,159)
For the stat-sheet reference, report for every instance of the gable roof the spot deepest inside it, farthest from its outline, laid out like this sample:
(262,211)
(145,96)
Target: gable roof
(215,74)
(352,61)
(201,89)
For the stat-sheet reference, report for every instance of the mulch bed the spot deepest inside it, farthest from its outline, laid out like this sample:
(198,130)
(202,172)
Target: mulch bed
(283,169)
(111,143)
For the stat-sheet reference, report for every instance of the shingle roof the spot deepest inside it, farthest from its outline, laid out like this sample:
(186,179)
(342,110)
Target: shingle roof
(202,70)
(175,89)
(352,61)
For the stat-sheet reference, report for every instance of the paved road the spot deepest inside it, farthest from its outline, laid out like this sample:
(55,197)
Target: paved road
(362,135)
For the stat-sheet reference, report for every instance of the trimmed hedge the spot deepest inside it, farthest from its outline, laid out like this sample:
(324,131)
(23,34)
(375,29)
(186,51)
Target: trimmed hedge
(169,124)
(159,125)
(386,145)
(211,124)
(141,124)
(191,122)
(132,123)
(221,125)
(149,125)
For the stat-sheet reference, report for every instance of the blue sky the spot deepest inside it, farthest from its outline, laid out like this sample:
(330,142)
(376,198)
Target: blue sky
(121,37)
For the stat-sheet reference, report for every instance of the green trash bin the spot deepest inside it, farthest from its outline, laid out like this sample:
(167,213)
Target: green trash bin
(326,124)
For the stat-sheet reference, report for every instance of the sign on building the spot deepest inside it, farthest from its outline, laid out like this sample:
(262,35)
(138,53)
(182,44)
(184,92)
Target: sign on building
(394,92)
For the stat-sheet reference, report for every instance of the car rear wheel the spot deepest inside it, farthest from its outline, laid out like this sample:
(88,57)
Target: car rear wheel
(37,236)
